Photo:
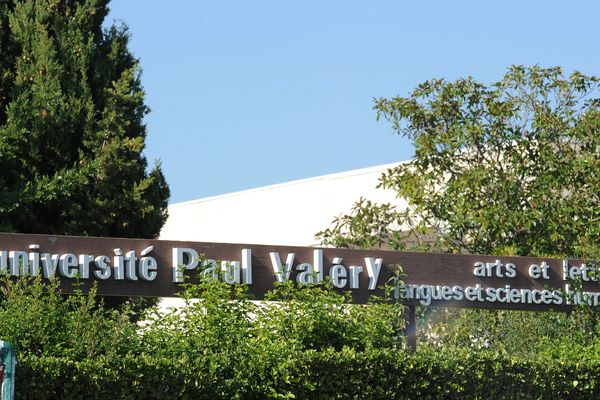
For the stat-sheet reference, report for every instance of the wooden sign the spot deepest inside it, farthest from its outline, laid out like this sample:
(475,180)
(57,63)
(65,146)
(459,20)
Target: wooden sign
(140,267)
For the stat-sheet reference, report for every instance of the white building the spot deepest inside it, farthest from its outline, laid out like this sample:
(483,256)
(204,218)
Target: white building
(289,213)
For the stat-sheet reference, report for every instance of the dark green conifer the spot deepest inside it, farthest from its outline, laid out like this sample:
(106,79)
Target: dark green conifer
(71,125)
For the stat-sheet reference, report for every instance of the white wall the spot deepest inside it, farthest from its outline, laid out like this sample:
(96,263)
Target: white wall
(285,214)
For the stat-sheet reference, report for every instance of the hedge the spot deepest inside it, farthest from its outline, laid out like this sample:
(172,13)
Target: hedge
(346,374)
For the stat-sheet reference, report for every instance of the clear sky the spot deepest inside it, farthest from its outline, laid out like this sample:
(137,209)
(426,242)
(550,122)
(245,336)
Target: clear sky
(251,93)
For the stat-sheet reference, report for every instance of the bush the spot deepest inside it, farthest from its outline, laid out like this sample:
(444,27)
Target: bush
(38,320)
(329,374)
(310,344)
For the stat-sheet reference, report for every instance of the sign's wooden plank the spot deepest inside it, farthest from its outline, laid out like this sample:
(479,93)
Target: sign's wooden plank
(143,267)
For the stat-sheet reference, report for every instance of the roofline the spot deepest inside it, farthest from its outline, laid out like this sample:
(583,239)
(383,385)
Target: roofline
(335,175)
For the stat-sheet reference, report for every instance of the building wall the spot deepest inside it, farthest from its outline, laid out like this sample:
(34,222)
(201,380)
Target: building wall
(290,213)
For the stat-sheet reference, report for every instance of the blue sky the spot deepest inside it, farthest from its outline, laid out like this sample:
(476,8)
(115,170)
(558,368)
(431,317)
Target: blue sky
(250,93)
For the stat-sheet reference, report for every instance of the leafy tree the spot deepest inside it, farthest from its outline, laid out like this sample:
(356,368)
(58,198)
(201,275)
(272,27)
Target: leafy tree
(71,125)
(512,168)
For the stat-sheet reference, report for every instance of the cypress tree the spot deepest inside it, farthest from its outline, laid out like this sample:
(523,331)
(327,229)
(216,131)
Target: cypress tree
(71,125)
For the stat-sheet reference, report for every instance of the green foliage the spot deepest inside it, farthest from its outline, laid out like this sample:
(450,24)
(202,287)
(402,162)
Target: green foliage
(222,346)
(518,333)
(71,125)
(315,317)
(509,168)
(346,374)
(246,347)
(39,321)
(212,332)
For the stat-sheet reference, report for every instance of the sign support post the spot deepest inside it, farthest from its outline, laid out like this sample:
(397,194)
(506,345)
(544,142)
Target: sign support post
(411,327)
